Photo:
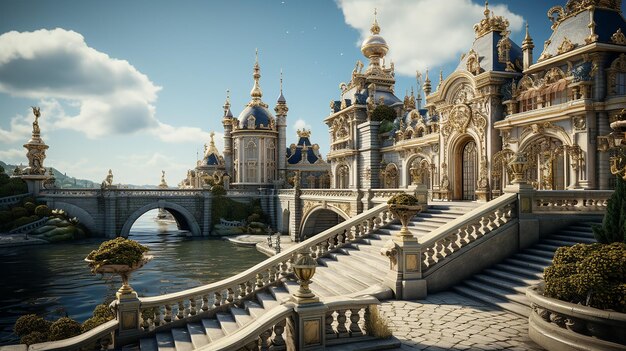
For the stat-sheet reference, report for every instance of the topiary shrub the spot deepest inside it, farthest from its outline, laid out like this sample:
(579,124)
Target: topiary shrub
(592,275)
(31,323)
(103,311)
(42,211)
(383,113)
(64,328)
(34,338)
(28,199)
(30,207)
(117,251)
(403,199)
(613,227)
(19,212)
(218,190)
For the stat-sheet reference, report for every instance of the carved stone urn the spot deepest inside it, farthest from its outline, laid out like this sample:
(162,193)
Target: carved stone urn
(123,271)
(304,269)
(404,207)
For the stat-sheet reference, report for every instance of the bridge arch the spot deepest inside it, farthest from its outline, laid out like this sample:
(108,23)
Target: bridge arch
(319,219)
(184,219)
(84,217)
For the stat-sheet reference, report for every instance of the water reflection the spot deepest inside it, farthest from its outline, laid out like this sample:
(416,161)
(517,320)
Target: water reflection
(53,280)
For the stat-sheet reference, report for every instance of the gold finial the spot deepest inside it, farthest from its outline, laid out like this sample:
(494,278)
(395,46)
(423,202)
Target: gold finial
(212,135)
(304,133)
(281,81)
(256,92)
(256,56)
(375,29)
(486,12)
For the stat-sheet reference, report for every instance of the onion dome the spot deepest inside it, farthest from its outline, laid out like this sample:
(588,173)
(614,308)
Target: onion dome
(256,115)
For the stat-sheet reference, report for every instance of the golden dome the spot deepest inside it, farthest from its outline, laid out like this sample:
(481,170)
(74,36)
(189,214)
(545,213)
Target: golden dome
(374,45)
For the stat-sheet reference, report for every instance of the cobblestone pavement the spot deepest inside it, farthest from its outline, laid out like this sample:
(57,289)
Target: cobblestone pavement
(448,321)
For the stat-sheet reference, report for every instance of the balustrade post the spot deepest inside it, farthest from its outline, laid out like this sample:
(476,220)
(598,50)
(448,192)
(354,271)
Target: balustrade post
(405,268)
(128,312)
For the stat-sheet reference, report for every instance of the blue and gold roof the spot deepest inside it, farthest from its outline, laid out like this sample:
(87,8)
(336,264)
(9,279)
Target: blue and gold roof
(256,114)
(304,151)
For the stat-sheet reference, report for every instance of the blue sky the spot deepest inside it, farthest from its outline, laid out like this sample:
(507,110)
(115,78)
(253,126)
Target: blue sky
(136,86)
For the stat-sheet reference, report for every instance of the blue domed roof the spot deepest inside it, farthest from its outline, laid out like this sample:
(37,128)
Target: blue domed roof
(262,117)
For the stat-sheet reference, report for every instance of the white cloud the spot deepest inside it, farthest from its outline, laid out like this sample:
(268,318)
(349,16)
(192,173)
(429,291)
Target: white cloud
(301,124)
(13,156)
(110,96)
(422,33)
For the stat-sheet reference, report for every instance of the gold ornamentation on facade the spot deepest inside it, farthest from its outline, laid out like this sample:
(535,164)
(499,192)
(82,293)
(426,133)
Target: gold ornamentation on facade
(617,66)
(472,63)
(490,23)
(460,118)
(618,37)
(579,123)
(342,206)
(303,133)
(504,48)
(566,46)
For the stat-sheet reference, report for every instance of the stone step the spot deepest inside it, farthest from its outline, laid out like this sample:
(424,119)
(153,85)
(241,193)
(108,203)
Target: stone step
(280,293)
(533,259)
(504,284)
(375,258)
(513,277)
(373,270)
(266,300)
(197,335)
(359,275)
(538,252)
(491,300)
(558,243)
(165,342)
(148,344)
(530,273)
(577,239)
(227,323)
(254,309)
(503,294)
(574,232)
(523,264)
(546,247)
(349,278)
(241,316)
(182,339)
(335,283)
(372,344)
(212,329)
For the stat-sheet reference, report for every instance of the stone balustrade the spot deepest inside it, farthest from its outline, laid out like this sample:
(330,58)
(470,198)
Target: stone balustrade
(381,196)
(556,324)
(567,201)
(346,320)
(99,338)
(123,192)
(328,193)
(162,310)
(12,200)
(27,228)
(445,241)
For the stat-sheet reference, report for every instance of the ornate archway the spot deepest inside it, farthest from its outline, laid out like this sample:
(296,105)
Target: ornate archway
(466,176)
(319,219)
(184,219)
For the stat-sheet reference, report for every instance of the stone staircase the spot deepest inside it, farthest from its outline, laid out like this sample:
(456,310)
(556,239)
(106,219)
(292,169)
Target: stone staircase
(504,284)
(338,273)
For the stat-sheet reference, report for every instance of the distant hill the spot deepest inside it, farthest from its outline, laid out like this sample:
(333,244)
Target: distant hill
(64,181)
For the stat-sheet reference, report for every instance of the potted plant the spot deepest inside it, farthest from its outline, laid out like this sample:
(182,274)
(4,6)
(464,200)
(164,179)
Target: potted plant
(120,256)
(404,207)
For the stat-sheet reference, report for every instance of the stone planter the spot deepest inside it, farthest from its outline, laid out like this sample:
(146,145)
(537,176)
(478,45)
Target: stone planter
(124,272)
(560,325)
(404,213)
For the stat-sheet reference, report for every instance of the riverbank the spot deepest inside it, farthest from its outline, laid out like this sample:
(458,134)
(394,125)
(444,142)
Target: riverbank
(13,240)
(260,242)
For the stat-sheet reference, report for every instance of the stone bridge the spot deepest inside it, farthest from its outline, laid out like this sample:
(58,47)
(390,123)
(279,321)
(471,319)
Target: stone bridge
(112,212)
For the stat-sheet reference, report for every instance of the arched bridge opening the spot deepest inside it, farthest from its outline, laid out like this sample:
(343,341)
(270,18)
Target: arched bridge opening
(320,219)
(184,219)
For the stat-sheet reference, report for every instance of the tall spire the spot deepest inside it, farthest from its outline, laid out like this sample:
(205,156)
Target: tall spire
(528,41)
(375,28)
(440,78)
(226,106)
(256,92)
(281,97)
(427,85)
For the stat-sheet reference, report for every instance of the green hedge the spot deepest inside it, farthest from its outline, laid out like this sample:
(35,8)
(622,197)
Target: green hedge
(593,275)
(613,227)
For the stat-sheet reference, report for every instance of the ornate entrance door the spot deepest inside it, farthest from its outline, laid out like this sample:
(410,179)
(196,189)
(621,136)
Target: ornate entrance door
(469,171)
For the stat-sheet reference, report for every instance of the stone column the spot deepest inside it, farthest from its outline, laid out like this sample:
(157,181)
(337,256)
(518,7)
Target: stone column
(110,213)
(206,213)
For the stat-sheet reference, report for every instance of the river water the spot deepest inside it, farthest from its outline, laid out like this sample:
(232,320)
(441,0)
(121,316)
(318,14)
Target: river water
(54,281)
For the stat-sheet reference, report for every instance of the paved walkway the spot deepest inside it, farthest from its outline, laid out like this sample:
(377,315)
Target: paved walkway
(448,321)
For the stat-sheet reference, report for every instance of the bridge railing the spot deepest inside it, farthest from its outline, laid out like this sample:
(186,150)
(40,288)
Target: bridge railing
(328,193)
(443,242)
(28,227)
(124,192)
(12,200)
(380,196)
(163,310)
